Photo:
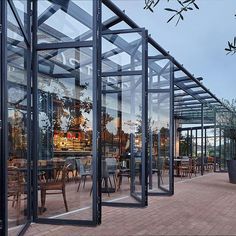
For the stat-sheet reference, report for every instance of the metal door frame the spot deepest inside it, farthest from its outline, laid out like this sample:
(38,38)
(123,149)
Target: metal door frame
(144,73)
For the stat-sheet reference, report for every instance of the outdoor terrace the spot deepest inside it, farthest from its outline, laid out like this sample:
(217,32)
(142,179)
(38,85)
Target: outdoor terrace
(204,205)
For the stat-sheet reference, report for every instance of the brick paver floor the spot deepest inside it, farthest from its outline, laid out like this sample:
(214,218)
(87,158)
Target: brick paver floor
(201,206)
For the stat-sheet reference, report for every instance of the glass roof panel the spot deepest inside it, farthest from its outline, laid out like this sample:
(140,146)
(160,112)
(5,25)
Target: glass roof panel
(65,22)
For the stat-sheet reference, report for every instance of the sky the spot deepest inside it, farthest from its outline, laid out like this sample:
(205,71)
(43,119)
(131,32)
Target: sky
(198,42)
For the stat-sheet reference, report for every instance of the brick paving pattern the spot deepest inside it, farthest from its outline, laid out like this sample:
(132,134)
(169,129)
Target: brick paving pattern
(201,206)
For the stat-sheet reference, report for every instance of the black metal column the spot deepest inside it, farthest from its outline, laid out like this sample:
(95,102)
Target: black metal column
(145,118)
(172,131)
(220,148)
(202,141)
(205,142)
(96,145)
(4,120)
(191,142)
(215,159)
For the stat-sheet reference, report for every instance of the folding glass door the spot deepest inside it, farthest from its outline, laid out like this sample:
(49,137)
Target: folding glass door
(160,125)
(124,117)
(66,88)
(15,115)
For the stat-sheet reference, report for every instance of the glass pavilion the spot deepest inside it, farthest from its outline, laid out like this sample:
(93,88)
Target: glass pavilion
(88,98)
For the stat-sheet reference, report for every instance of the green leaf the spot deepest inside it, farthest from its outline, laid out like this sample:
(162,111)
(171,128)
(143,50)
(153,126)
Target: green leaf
(181,16)
(171,19)
(190,8)
(180,3)
(169,9)
(195,5)
(177,21)
(227,49)
(186,1)
(156,3)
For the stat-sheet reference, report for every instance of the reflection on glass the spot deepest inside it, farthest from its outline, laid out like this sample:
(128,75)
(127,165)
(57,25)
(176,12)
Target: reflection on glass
(17,193)
(121,136)
(65,133)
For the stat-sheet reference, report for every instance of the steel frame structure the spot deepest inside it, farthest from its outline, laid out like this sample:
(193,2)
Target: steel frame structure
(189,99)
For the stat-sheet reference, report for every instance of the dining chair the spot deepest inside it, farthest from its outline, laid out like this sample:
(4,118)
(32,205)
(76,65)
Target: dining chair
(106,180)
(15,189)
(19,162)
(84,171)
(112,169)
(185,168)
(55,186)
(72,168)
(123,171)
(157,168)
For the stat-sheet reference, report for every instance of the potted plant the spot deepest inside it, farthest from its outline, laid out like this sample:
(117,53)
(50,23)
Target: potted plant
(231,164)
(228,120)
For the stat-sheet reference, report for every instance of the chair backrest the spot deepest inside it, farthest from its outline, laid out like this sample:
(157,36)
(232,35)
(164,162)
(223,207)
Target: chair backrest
(111,164)
(19,162)
(80,166)
(64,174)
(210,159)
(71,161)
(185,162)
(205,160)
(105,173)
(42,162)
(14,179)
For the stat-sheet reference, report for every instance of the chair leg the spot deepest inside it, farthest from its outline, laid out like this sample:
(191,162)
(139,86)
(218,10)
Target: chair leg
(110,181)
(80,180)
(106,186)
(43,200)
(64,198)
(85,177)
(161,178)
(18,205)
(13,200)
(91,190)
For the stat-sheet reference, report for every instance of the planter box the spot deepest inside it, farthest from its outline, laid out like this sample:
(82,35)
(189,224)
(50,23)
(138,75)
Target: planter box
(232,171)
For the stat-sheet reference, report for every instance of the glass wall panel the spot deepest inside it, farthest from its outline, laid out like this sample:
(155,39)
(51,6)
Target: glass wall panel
(159,125)
(18,130)
(65,85)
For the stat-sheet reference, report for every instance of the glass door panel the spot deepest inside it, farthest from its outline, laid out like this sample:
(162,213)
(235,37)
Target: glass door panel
(123,125)
(66,165)
(159,120)
(19,102)
(65,133)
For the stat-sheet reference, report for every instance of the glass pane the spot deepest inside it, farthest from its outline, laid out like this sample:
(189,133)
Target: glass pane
(158,125)
(14,34)
(17,126)
(121,138)
(122,52)
(21,9)
(65,133)
(67,21)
